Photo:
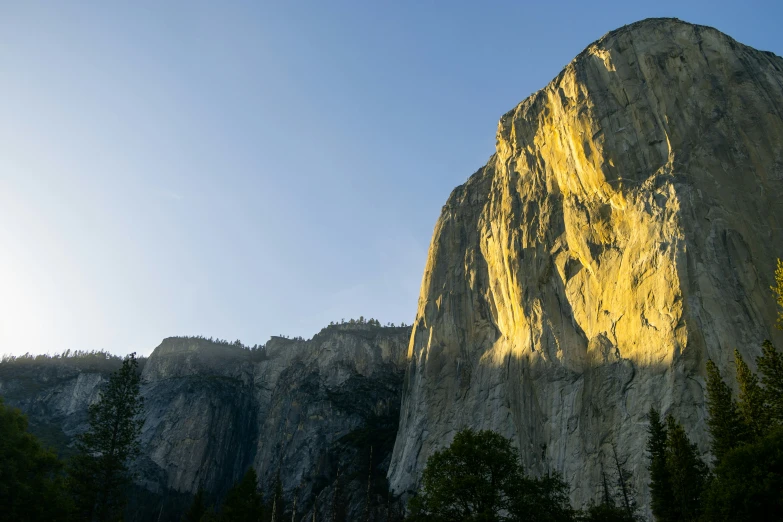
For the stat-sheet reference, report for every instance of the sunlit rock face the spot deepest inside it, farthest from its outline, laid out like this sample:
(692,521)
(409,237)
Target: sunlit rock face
(624,231)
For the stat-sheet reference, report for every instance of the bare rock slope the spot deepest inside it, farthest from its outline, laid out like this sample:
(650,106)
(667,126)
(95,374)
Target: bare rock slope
(624,231)
(300,409)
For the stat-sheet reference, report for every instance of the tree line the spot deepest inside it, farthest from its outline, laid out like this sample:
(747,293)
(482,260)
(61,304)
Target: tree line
(361,321)
(745,479)
(224,342)
(95,360)
(37,486)
(370,322)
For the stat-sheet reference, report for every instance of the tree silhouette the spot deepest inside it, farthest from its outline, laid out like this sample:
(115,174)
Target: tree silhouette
(31,485)
(727,429)
(479,477)
(243,502)
(99,473)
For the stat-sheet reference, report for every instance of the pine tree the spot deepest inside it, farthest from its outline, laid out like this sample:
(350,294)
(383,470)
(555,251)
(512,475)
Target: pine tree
(770,366)
(660,482)
(243,502)
(687,472)
(751,399)
(726,426)
(99,473)
(748,480)
(747,484)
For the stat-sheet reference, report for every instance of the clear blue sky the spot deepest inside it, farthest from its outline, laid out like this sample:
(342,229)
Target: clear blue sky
(246,169)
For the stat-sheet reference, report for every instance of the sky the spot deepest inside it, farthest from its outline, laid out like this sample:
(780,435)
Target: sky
(248,169)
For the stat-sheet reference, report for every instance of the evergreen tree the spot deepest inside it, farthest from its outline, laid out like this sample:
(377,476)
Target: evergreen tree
(243,502)
(726,426)
(748,483)
(197,509)
(751,399)
(770,366)
(687,472)
(660,481)
(31,485)
(99,473)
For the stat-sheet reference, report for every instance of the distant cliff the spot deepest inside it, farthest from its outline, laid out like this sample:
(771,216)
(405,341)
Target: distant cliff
(624,231)
(305,408)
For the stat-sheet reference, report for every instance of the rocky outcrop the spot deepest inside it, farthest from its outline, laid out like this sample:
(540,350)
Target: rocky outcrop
(304,409)
(56,392)
(623,233)
(213,409)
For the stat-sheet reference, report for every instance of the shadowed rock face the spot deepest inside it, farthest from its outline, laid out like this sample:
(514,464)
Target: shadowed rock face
(305,408)
(624,231)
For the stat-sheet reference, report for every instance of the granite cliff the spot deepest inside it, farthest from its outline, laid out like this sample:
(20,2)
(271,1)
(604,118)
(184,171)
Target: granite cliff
(305,409)
(624,231)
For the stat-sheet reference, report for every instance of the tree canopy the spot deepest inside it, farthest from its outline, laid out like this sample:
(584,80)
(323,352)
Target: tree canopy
(726,426)
(677,473)
(479,478)
(747,482)
(31,484)
(244,503)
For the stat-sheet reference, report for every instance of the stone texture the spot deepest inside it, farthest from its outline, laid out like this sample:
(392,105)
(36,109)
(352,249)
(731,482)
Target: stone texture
(54,396)
(623,232)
